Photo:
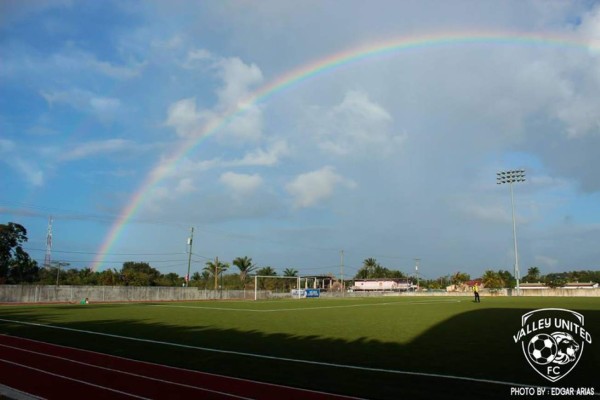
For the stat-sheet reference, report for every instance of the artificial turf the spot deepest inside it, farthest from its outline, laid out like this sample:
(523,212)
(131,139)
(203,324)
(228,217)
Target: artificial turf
(295,342)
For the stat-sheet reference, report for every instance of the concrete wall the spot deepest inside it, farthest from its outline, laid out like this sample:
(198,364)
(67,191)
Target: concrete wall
(74,294)
(561,292)
(483,293)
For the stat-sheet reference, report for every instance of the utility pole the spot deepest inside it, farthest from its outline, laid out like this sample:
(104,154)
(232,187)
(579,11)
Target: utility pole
(48,257)
(417,270)
(60,264)
(190,241)
(216,272)
(342,268)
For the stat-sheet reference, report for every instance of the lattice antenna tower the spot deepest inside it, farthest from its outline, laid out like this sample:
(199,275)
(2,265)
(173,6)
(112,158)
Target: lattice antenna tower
(48,258)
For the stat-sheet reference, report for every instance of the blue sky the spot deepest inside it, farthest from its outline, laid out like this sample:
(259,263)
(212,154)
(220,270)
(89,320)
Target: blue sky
(392,157)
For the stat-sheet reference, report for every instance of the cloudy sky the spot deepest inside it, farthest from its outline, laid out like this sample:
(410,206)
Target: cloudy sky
(130,122)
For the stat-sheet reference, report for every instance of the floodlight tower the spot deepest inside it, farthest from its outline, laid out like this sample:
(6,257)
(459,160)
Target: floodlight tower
(417,270)
(510,177)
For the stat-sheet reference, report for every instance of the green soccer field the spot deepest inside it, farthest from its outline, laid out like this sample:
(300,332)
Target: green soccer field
(386,347)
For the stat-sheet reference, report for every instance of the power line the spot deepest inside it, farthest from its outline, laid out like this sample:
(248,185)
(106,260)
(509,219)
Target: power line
(122,261)
(109,254)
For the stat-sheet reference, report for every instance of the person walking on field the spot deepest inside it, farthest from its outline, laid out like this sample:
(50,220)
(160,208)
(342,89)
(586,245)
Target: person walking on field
(476,293)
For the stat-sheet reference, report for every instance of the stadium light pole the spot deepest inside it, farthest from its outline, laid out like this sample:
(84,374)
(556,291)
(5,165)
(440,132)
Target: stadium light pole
(417,271)
(510,177)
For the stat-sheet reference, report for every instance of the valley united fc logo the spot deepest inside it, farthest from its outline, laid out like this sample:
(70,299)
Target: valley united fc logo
(552,340)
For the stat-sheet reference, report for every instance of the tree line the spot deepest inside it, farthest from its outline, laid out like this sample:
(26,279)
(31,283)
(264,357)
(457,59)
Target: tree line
(17,267)
(492,279)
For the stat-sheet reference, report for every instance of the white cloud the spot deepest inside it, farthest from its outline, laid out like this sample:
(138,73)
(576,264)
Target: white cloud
(173,43)
(33,174)
(197,57)
(256,158)
(104,108)
(73,60)
(260,157)
(247,126)
(241,184)
(237,80)
(183,117)
(6,145)
(581,115)
(94,148)
(111,70)
(466,106)
(357,124)
(29,169)
(185,186)
(310,188)
(589,28)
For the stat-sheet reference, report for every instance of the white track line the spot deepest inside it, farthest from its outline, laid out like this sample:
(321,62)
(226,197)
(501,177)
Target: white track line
(73,379)
(126,372)
(306,308)
(178,368)
(262,356)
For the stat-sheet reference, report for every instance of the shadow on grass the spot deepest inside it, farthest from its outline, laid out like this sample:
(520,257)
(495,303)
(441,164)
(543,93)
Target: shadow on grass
(476,344)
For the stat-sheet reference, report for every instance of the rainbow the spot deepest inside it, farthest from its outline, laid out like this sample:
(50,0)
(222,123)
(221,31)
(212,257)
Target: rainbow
(311,71)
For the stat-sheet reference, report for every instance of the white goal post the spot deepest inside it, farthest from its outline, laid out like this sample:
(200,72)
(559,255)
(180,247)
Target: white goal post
(256,277)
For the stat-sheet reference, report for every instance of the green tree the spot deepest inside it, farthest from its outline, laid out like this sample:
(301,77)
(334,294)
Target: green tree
(509,280)
(23,269)
(368,269)
(370,264)
(170,279)
(492,280)
(266,271)
(555,280)
(245,266)
(109,277)
(214,268)
(288,283)
(12,237)
(139,274)
(533,275)
(290,272)
(266,283)
(460,278)
(201,279)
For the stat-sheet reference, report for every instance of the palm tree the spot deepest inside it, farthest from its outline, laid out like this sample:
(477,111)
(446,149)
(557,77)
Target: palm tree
(245,266)
(215,268)
(370,264)
(291,272)
(267,271)
(533,275)
(460,278)
(492,280)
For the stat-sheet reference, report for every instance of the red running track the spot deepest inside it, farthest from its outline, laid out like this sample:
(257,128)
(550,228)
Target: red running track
(57,372)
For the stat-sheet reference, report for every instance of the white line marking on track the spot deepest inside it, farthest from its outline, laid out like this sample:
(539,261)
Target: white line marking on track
(233,378)
(262,356)
(73,379)
(126,373)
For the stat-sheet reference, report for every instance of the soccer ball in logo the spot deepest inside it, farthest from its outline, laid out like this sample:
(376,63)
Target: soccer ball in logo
(542,349)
